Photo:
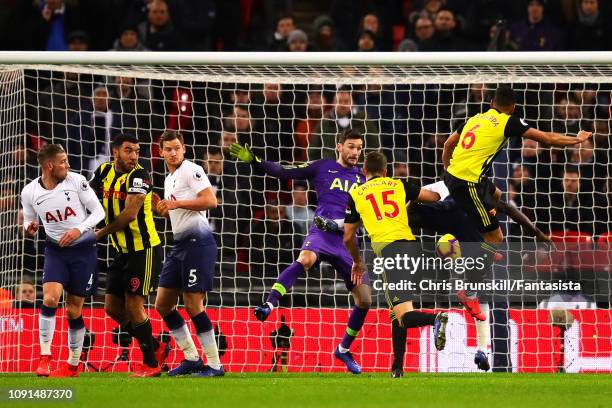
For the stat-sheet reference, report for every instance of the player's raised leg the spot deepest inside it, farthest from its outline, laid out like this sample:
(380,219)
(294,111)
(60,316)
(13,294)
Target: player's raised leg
(362,295)
(285,282)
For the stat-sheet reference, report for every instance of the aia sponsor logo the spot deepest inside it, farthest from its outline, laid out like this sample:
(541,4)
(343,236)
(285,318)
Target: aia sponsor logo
(58,215)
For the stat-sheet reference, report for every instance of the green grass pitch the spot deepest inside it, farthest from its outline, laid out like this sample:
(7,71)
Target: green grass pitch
(279,390)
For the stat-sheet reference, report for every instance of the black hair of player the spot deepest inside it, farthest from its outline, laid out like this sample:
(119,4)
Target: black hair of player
(349,134)
(121,138)
(375,163)
(170,135)
(48,152)
(504,97)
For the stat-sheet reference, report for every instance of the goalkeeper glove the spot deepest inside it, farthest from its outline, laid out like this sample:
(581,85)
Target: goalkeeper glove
(243,153)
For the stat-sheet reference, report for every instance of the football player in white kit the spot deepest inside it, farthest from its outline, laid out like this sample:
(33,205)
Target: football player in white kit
(61,200)
(190,265)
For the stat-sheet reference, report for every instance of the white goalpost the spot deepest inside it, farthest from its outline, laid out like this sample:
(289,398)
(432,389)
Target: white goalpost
(289,107)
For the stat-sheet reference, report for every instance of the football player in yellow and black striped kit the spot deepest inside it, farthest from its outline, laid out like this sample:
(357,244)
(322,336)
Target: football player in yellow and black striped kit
(125,190)
(380,205)
(470,151)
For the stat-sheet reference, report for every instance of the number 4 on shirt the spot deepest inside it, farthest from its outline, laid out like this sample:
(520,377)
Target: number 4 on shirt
(385,201)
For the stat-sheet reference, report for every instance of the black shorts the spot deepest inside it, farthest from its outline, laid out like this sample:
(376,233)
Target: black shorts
(476,199)
(394,297)
(134,272)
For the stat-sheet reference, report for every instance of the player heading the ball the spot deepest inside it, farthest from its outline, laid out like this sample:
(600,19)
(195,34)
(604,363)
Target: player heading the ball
(332,180)
(61,199)
(190,265)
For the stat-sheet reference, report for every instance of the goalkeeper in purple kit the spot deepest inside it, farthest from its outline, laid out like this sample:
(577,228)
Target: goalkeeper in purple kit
(332,181)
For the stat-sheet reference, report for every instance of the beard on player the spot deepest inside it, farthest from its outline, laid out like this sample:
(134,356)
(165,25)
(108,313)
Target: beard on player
(60,167)
(350,152)
(125,162)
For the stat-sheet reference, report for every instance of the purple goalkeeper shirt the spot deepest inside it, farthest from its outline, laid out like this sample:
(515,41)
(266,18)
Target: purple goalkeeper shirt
(331,181)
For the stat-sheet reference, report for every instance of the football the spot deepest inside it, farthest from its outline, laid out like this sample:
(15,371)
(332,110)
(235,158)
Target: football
(448,247)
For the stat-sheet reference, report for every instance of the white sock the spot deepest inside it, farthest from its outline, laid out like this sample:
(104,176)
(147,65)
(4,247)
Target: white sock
(483,331)
(342,349)
(185,342)
(75,344)
(46,328)
(209,345)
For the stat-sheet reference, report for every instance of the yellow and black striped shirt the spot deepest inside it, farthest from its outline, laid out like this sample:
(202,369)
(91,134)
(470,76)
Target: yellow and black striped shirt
(112,189)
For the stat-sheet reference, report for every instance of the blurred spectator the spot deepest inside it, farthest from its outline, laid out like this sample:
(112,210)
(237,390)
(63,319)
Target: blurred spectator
(446,36)
(382,34)
(379,104)
(593,168)
(344,115)
(601,137)
(158,32)
(297,41)
(90,133)
(500,38)
(195,19)
(284,26)
(473,103)
(535,33)
(128,40)
(324,35)
(273,120)
(567,116)
(299,212)
(430,161)
(48,29)
(590,32)
(306,126)
(129,101)
(25,296)
(572,209)
(423,30)
(427,8)
(366,41)
(522,194)
(78,41)
(223,218)
(228,137)
(271,243)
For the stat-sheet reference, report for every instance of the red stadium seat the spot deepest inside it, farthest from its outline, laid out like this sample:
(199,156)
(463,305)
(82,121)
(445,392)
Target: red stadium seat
(577,249)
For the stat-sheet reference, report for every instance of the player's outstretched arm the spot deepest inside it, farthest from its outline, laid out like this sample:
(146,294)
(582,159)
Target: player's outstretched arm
(556,139)
(428,196)
(133,204)
(523,221)
(449,147)
(302,172)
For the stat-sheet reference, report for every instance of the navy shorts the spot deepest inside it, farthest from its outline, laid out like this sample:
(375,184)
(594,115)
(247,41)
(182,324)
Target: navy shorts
(190,265)
(74,267)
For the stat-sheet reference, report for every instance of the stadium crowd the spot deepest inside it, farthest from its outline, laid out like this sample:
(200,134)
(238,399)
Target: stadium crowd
(260,222)
(342,25)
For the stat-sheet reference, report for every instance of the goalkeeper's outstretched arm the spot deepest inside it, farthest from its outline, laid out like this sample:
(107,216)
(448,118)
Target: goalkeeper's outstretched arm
(302,172)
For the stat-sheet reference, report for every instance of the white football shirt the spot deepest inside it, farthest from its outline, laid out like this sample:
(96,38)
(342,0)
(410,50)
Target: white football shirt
(185,184)
(63,208)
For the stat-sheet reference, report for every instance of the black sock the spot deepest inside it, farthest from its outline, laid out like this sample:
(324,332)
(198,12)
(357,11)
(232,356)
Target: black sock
(126,327)
(418,319)
(398,338)
(143,332)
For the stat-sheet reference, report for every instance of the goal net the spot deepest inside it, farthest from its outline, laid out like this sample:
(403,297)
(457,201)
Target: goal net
(289,109)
